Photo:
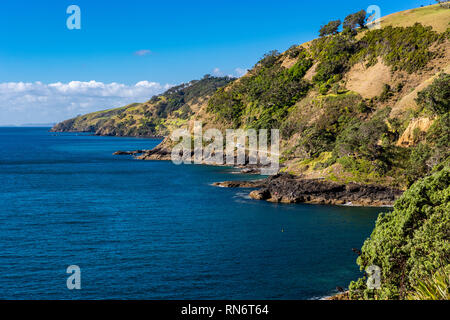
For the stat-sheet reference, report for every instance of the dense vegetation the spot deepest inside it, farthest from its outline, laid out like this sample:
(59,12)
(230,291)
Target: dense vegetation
(410,244)
(263,98)
(433,147)
(402,48)
(337,125)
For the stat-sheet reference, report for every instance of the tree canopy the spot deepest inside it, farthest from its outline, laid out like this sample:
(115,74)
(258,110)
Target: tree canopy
(330,28)
(352,21)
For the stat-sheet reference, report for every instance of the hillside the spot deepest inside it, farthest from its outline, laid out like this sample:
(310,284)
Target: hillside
(434,16)
(364,106)
(156,117)
(363,114)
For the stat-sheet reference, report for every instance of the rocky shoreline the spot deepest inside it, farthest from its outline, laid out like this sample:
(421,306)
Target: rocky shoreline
(286,188)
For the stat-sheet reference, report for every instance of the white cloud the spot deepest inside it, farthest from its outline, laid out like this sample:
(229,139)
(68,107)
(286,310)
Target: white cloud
(26,102)
(143,52)
(217,72)
(240,72)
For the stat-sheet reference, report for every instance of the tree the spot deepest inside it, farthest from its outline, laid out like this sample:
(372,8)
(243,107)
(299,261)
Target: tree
(352,21)
(330,28)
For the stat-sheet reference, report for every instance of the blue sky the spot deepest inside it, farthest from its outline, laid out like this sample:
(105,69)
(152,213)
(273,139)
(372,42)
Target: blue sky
(178,41)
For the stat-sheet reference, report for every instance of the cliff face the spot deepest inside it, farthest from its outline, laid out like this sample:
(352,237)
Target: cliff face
(367,106)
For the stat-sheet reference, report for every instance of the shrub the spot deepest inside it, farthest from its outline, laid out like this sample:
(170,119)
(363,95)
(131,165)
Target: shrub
(333,54)
(262,99)
(436,97)
(410,243)
(361,139)
(402,48)
(386,94)
(435,287)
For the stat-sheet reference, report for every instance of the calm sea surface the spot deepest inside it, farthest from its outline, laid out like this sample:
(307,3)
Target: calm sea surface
(153,230)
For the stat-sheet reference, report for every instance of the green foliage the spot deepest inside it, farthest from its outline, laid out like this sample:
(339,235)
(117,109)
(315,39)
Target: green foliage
(333,54)
(435,287)
(330,28)
(410,243)
(432,148)
(402,48)
(262,99)
(386,94)
(338,111)
(177,97)
(436,97)
(360,138)
(294,51)
(361,169)
(269,59)
(439,136)
(355,19)
(417,164)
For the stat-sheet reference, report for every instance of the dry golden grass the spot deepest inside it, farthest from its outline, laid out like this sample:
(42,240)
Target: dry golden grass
(435,16)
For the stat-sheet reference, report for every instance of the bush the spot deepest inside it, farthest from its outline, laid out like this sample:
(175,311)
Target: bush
(417,165)
(402,48)
(361,139)
(333,54)
(435,287)
(410,243)
(262,100)
(386,94)
(436,97)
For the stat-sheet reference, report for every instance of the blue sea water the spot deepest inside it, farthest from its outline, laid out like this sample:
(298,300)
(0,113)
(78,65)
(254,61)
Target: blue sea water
(154,230)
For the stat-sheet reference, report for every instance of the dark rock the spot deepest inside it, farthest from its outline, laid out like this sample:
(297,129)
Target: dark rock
(285,188)
(121,153)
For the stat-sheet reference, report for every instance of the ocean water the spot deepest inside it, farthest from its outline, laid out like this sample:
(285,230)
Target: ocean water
(154,230)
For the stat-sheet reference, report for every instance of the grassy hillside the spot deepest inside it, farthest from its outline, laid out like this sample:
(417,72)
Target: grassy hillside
(435,16)
(351,106)
(366,106)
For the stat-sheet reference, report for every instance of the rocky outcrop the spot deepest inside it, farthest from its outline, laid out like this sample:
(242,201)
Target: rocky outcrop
(132,153)
(160,153)
(241,184)
(285,188)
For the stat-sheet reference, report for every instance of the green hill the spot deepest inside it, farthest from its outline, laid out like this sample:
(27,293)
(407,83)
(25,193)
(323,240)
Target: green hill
(365,106)
(156,117)
(362,106)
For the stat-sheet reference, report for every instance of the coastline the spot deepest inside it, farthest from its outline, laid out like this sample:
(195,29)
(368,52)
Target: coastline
(289,189)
